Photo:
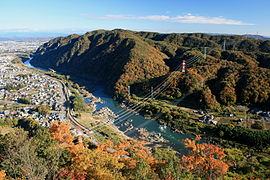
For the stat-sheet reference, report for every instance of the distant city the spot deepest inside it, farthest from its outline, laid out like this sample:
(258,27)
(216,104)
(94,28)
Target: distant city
(21,46)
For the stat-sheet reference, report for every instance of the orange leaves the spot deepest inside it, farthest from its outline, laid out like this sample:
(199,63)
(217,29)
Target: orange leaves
(189,144)
(204,159)
(137,151)
(100,163)
(61,132)
(107,161)
(2,174)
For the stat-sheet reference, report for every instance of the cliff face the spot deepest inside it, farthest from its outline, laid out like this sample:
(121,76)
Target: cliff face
(238,75)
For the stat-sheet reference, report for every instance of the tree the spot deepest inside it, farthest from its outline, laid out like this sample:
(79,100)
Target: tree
(265,46)
(20,158)
(258,125)
(227,95)
(98,163)
(61,132)
(2,174)
(208,100)
(29,125)
(138,159)
(235,156)
(169,164)
(248,45)
(43,109)
(205,160)
(48,149)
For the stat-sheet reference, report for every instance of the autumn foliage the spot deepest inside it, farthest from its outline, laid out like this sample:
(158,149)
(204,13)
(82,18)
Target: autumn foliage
(107,161)
(204,159)
(61,132)
(133,159)
(2,174)
(128,58)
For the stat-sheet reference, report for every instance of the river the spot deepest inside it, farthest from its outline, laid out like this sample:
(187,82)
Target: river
(174,139)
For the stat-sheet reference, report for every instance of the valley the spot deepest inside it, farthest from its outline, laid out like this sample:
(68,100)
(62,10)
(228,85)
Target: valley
(161,106)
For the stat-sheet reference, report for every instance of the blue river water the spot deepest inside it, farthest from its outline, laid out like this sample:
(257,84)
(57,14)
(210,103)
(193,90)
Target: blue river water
(174,139)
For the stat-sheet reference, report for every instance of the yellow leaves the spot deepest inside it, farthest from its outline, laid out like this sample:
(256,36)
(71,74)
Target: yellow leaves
(2,174)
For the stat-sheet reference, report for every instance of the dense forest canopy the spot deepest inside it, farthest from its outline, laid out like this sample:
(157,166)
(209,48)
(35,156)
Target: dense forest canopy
(235,71)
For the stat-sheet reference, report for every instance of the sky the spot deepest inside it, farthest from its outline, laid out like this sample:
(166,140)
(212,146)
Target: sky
(165,16)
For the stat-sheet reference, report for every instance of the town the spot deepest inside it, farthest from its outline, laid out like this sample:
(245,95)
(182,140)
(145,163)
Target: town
(29,93)
(15,47)
(24,93)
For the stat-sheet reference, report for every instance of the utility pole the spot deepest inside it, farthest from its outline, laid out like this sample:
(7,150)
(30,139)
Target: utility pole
(205,52)
(152,92)
(224,45)
(128,90)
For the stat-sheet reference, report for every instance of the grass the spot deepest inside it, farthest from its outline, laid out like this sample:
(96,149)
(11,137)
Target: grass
(113,135)
(88,120)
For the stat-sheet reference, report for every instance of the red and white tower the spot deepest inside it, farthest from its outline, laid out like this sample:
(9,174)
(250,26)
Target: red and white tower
(183,66)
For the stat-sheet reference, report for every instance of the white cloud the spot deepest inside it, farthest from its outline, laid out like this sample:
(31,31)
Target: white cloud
(206,20)
(155,18)
(189,18)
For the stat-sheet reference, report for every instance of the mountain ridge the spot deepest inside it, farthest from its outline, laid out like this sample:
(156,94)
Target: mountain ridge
(121,58)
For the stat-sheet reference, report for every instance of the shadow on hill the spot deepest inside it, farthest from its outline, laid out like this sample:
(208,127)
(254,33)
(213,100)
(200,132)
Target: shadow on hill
(190,101)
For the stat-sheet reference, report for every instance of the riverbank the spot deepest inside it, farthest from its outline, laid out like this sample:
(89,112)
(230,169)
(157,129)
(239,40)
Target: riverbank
(169,137)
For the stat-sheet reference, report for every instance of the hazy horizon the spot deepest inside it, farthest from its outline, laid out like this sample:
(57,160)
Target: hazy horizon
(67,17)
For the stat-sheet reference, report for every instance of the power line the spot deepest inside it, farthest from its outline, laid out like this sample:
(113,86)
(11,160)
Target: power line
(161,85)
(152,89)
(148,95)
(138,107)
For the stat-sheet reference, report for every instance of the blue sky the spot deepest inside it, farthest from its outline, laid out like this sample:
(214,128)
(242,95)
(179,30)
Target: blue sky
(79,16)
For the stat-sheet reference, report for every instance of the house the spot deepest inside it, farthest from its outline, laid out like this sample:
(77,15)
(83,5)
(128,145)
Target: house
(213,122)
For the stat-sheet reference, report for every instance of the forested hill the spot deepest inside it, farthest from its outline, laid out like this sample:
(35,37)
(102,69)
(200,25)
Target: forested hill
(235,74)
